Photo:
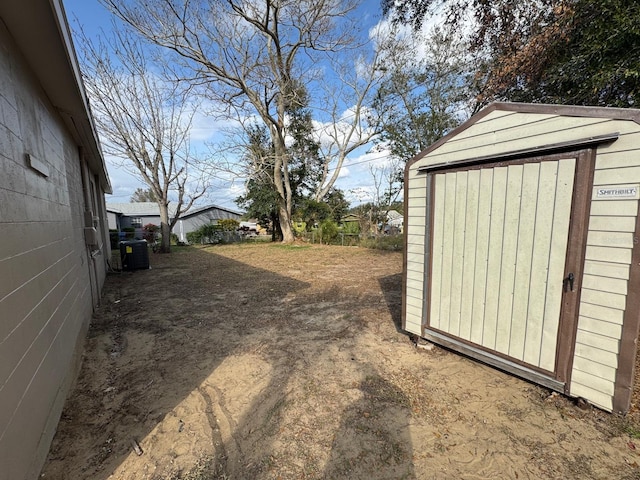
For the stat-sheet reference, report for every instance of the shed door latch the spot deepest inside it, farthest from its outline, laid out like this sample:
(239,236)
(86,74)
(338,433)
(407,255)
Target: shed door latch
(567,283)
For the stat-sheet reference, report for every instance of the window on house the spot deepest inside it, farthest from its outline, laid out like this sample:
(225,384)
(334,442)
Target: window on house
(136,222)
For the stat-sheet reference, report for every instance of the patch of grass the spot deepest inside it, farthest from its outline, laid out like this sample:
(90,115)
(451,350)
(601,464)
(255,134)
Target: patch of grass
(627,427)
(613,425)
(633,431)
(290,246)
(180,249)
(394,243)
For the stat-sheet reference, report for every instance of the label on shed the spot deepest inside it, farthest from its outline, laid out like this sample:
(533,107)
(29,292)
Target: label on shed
(617,192)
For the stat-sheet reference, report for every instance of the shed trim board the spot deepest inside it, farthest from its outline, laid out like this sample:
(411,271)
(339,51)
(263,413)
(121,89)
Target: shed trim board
(471,232)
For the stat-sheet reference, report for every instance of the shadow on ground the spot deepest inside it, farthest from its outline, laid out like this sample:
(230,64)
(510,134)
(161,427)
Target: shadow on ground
(218,368)
(157,336)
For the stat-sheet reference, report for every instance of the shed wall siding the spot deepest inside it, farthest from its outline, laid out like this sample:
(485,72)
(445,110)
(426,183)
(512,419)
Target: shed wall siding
(45,294)
(610,236)
(604,288)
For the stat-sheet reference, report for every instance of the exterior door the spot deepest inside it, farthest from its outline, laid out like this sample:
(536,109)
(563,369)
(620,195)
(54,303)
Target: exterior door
(502,274)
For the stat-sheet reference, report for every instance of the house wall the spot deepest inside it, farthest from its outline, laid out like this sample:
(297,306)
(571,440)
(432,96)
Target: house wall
(612,224)
(112,221)
(193,222)
(49,278)
(125,220)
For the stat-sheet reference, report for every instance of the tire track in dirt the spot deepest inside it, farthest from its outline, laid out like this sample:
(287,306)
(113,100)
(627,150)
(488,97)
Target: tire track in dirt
(222,453)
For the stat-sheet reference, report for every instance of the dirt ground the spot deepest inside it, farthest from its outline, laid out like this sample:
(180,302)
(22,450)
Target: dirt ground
(287,362)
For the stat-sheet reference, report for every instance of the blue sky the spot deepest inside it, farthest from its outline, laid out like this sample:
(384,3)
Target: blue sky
(355,177)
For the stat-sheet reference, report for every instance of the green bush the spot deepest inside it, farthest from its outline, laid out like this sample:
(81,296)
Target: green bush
(299,228)
(150,232)
(328,231)
(206,234)
(194,237)
(130,232)
(384,242)
(351,228)
(228,224)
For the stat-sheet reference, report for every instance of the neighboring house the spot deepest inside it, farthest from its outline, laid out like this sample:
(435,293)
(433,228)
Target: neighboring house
(52,216)
(135,214)
(113,219)
(395,220)
(194,219)
(521,248)
(139,214)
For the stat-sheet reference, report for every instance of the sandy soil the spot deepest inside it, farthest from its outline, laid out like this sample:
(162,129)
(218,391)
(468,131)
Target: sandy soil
(274,362)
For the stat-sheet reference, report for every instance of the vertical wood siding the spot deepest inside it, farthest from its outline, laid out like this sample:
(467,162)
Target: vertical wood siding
(608,255)
(499,257)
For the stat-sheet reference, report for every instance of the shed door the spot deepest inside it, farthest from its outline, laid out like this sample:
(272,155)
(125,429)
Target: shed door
(499,258)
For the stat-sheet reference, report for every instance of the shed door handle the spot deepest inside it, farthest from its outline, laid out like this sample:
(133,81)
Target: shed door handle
(568,283)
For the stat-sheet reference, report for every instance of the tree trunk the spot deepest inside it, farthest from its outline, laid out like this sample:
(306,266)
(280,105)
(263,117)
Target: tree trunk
(165,229)
(285,225)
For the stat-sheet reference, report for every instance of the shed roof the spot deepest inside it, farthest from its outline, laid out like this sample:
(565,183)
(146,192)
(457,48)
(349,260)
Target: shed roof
(536,108)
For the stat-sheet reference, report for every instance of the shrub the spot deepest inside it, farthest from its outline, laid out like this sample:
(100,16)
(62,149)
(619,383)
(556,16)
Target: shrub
(129,232)
(228,224)
(299,228)
(206,234)
(384,242)
(194,237)
(150,232)
(351,228)
(328,231)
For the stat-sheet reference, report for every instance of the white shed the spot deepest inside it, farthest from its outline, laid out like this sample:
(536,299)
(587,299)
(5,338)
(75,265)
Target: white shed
(522,247)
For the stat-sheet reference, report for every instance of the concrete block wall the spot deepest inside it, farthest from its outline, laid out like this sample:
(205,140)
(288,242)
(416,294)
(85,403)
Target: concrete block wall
(45,281)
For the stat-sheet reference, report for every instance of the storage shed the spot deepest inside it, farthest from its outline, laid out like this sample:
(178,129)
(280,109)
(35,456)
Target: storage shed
(522,247)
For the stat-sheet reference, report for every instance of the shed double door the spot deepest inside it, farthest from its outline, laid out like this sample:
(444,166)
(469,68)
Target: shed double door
(502,273)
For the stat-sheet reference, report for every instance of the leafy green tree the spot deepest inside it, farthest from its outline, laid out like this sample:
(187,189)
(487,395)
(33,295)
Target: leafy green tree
(313,213)
(305,174)
(594,57)
(261,198)
(554,51)
(338,204)
(421,98)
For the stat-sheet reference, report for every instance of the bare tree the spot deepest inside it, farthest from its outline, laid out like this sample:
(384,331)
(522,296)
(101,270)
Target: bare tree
(251,56)
(144,120)
(348,130)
